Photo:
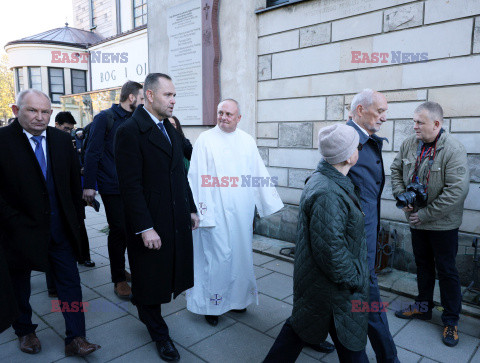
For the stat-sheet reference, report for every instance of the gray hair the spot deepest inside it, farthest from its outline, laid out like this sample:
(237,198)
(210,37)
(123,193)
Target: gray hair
(364,98)
(21,96)
(234,101)
(435,111)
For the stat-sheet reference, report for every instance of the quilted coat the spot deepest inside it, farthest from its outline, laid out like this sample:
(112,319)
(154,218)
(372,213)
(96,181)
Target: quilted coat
(331,269)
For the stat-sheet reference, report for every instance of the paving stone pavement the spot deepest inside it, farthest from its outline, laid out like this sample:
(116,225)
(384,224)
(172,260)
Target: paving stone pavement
(114,323)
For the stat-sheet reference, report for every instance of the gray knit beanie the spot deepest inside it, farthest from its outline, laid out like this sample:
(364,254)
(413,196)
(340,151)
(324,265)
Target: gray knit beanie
(337,143)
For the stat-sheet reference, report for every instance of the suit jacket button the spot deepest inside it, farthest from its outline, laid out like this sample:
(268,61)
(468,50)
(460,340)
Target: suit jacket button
(378,161)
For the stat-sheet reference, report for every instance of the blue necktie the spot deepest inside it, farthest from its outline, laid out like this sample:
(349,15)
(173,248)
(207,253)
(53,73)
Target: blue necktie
(39,154)
(161,126)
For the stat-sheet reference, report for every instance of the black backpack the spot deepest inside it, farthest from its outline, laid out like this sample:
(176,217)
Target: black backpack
(86,132)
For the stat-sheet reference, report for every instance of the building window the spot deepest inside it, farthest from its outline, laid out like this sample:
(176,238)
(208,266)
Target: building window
(79,81)
(139,13)
(35,78)
(20,83)
(57,84)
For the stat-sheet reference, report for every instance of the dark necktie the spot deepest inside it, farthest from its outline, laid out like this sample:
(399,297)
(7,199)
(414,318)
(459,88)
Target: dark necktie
(161,126)
(39,154)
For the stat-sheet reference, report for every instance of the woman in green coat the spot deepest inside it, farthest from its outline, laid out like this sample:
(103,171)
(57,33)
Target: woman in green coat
(330,280)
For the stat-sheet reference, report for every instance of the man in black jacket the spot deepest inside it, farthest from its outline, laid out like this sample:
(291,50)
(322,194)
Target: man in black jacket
(100,170)
(41,213)
(159,208)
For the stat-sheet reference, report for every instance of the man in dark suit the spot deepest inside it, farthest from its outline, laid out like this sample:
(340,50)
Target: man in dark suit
(41,214)
(100,170)
(369,112)
(159,208)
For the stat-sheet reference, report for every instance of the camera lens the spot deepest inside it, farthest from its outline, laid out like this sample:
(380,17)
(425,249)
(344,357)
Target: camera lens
(405,199)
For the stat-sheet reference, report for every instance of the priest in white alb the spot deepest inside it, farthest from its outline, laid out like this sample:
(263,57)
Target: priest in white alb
(228,179)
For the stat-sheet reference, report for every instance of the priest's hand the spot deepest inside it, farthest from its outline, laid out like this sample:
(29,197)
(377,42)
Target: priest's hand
(151,239)
(195,220)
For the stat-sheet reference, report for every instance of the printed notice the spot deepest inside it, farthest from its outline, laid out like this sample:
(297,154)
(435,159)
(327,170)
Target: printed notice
(184,26)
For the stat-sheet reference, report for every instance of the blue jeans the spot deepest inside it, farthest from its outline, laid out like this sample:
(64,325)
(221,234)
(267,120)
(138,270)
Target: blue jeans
(378,330)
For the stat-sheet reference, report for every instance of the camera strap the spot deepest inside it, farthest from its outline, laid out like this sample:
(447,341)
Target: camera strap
(423,152)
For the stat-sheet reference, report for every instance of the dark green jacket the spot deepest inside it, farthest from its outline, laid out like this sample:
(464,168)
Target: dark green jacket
(331,267)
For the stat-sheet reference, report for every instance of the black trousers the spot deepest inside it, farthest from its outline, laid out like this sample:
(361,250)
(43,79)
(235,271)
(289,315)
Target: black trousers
(288,346)
(66,279)
(151,316)
(438,250)
(117,240)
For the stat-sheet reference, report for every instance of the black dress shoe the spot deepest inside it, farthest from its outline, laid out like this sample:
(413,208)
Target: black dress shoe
(167,350)
(89,263)
(323,347)
(238,310)
(212,319)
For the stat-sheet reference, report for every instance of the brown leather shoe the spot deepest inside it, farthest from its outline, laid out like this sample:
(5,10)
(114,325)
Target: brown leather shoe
(122,290)
(81,347)
(30,344)
(128,276)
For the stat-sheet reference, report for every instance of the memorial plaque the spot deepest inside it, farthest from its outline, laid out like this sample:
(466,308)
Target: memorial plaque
(193,59)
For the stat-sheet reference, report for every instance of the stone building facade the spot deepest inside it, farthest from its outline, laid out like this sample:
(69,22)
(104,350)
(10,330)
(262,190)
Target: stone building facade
(310,66)
(312,56)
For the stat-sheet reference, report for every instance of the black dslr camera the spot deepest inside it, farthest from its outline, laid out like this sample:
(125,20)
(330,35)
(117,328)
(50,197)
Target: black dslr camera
(416,196)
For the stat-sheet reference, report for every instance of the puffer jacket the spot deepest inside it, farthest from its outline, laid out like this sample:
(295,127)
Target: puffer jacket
(331,269)
(448,183)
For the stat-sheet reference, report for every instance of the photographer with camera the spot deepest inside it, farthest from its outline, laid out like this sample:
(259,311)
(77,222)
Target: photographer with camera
(430,181)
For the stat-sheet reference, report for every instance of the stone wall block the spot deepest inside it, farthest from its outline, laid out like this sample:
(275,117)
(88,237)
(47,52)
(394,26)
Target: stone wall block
(294,158)
(267,130)
(278,42)
(264,67)
(357,26)
(387,190)
(474,164)
(315,35)
(297,177)
(335,108)
(465,125)
(267,142)
(403,17)
(281,174)
(295,134)
(264,154)
(402,130)
(441,10)
(476,36)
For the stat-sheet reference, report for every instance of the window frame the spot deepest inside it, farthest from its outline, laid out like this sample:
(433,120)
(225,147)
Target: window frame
(271,3)
(18,71)
(84,77)
(29,71)
(143,16)
(50,93)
